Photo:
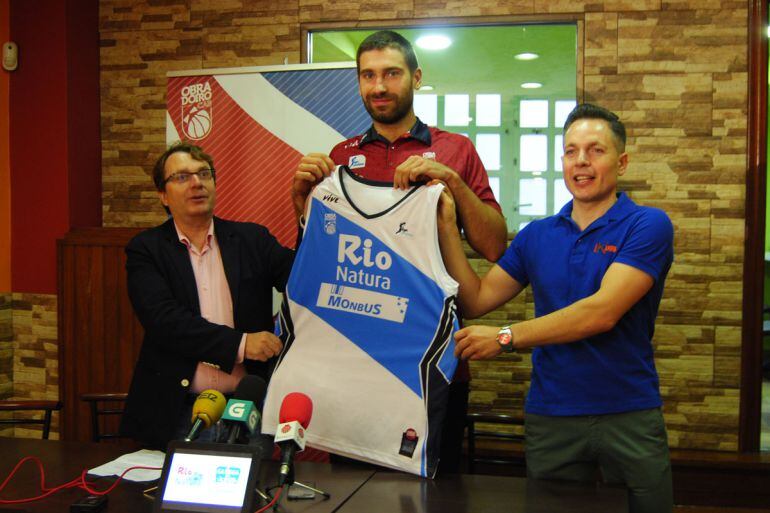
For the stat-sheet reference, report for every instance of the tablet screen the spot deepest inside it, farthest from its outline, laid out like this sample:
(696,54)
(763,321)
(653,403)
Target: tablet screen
(207,478)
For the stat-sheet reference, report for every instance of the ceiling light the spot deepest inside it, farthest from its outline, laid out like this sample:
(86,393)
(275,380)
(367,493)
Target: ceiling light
(433,42)
(426,88)
(526,56)
(531,85)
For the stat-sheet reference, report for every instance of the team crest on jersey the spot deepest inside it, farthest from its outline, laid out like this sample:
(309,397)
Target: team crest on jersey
(330,224)
(357,161)
(197,118)
(429,155)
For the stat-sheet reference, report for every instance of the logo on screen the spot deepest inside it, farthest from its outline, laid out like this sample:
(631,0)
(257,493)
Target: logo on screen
(228,475)
(188,477)
(196,110)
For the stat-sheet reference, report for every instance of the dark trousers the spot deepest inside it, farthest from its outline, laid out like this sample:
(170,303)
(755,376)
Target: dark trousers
(629,448)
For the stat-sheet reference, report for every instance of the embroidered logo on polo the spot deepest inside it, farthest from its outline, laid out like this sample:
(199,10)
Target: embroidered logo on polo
(605,248)
(357,161)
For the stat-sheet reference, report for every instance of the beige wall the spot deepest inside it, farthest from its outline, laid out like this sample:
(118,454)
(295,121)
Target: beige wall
(675,71)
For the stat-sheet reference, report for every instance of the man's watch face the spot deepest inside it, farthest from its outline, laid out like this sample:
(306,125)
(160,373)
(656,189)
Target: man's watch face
(504,338)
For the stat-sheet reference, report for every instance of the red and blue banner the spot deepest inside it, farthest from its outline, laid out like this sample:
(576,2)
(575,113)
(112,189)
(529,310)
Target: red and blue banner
(257,123)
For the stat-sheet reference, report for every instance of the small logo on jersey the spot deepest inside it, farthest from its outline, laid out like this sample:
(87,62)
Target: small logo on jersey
(330,224)
(429,155)
(409,441)
(331,198)
(197,118)
(403,230)
(605,248)
(357,161)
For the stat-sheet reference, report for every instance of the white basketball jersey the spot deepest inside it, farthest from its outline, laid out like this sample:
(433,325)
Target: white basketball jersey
(367,324)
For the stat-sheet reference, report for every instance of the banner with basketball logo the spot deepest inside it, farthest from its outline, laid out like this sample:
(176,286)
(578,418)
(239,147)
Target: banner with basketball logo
(257,123)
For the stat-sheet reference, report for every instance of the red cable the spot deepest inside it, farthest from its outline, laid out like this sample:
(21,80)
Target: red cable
(79,482)
(275,499)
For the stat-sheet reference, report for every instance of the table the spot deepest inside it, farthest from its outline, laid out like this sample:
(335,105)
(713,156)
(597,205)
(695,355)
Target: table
(353,488)
(388,492)
(64,461)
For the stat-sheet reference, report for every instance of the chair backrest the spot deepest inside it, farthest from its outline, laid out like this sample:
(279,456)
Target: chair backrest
(102,406)
(490,419)
(44,407)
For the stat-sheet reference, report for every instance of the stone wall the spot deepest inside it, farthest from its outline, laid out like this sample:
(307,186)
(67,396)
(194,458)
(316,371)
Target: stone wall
(35,355)
(675,71)
(6,354)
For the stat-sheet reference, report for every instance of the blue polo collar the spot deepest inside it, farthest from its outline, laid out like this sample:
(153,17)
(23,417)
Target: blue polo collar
(622,207)
(419,132)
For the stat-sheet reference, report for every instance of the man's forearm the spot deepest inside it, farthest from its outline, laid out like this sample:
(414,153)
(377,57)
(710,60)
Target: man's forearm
(484,226)
(582,319)
(458,267)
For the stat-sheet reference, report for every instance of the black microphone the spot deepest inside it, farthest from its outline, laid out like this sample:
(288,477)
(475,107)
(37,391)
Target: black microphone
(294,417)
(207,410)
(242,410)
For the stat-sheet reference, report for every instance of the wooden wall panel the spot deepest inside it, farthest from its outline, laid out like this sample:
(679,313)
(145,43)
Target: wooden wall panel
(99,336)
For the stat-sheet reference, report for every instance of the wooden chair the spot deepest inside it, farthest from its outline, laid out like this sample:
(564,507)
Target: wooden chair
(46,407)
(104,404)
(484,417)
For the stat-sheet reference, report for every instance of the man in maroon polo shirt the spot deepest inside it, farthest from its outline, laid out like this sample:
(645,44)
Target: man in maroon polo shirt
(400,148)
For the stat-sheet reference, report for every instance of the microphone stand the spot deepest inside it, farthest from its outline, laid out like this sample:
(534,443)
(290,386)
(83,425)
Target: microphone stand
(291,482)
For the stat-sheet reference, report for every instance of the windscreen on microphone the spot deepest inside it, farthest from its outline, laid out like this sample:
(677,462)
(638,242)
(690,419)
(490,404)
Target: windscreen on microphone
(298,407)
(208,407)
(251,388)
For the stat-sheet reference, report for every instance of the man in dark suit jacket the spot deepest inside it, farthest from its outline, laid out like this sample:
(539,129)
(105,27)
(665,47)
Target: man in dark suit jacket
(202,288)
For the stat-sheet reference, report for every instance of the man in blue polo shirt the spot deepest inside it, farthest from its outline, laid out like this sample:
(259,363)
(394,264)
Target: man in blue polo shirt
(597,270)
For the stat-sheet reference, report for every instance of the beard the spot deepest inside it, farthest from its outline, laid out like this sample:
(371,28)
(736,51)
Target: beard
(402,106)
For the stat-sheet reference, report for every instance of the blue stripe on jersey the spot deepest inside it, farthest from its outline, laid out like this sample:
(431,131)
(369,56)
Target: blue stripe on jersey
(330,95)
(363,323)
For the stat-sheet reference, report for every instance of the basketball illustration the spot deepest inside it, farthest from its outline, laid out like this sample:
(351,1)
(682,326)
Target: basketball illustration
(197,123)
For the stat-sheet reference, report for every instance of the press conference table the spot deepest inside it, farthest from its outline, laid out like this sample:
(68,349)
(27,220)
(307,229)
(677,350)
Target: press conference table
(353,489)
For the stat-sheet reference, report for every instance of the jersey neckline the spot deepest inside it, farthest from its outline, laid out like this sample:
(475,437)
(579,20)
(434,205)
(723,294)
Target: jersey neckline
(343,171)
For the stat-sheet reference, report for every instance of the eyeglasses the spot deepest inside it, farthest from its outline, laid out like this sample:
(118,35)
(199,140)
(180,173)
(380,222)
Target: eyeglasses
(204,175)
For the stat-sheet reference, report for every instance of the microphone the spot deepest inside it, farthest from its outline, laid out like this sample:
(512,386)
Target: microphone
(294,417)
(242,410)
(207,410)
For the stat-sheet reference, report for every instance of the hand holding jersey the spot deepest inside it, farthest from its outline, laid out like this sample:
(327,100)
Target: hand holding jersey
(312,168)
(420,169)
(262,346)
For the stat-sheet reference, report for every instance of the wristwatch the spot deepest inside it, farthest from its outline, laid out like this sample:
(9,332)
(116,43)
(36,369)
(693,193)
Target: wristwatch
(505,339)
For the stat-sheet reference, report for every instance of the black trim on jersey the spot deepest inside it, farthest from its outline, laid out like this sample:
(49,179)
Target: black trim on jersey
(345,171)
(435,386)
(287,336)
